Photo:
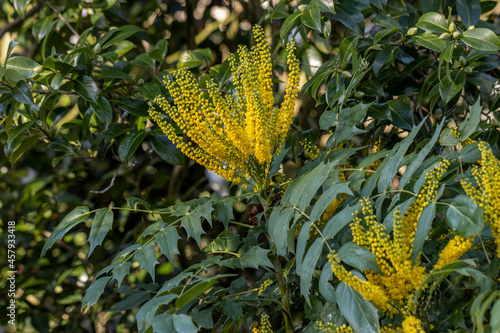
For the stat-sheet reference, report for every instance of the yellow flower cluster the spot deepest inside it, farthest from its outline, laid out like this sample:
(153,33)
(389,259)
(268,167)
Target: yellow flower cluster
(264,326)
(311,151)
(377,146)
(393,290)
(456,134)
(453,250)
(264,285)
(235,135)
(412,324)
(487,193)
(332,328)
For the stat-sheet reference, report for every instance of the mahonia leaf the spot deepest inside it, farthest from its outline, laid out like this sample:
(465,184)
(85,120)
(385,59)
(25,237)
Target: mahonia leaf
(94,292)
(146,256)
(167,239)
(191,222)
(256,257)
(101,225)
(146,313)
(120,271)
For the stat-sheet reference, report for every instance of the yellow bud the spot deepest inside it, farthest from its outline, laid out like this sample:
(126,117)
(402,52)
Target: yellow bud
(444,36)
(456,34)
(451,27)
(346,75)
(471,27)
(303,8)
(467,70)
(38,69)
(359,94)
(412,31)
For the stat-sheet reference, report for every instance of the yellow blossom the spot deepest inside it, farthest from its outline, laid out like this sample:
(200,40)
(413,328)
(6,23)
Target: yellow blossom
(453,250)
(412,324)
(264,285)
(393,290)
(236,134)
(332,328)
(264,326)
(487,192)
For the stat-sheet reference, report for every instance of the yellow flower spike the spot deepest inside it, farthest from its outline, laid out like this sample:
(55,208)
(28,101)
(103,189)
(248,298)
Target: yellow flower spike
(487,193)
(412,324)
(236,134)
(453,250)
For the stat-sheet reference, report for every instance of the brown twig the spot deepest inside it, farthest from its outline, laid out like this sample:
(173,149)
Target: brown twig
(63,19)
(113,179)
(41,91)
(19,20)
(7,85)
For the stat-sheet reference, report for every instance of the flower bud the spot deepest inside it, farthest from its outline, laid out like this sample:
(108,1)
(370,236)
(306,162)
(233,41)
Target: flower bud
(140,82)
(412,31)
(456,34)
(303,8)
(359,94)
(452,27)
(471,27)
(99,58)
(462,61)
(38,69)
(346,75)
(438,113)
(97,48)
(444,36)
(468,70)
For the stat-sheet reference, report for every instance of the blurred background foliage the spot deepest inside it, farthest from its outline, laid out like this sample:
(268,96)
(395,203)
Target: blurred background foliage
(77,79)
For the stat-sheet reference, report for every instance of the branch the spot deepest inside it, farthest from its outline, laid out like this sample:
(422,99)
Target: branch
(112,179)
(19,20)
(63,19)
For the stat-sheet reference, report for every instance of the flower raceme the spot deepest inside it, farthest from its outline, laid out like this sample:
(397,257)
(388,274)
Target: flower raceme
(235,135)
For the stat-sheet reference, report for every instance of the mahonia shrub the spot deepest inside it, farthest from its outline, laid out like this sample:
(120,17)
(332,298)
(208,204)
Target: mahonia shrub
(366,202)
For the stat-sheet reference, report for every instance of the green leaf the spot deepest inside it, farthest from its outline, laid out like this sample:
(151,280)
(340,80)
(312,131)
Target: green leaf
(146,256)
(203,318)
(431,41)
(392,165)
(166,149)
(150,90)
(10,48)
(129,145)
(402,113)
(224,210)
(256,257)
(351,18)
(470,153)
(132,301)
(147,312)
(423,227)
(469,11)
(193,292)
(76,216)
(312,18)
(191,222)
(430,5)
(173,323)
(233,310)
(193,59)
(361,315)
(167,238)
(120,271)
(133,106)
(325,288)
(481,39)
(101,225)
(133,202)
(279,223)
(41,27)
(448,89)
(348,119)
(495,315)
(447,139)
(464,216)
(86,87)
(326,199)
(339,221)
(22,94)
(20,6)
(433,22)
(93,293)
(358,257)
(20,128)
(473,117)
(290,22)
(308,266)
(22,65)
(123,33)
(103,111)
